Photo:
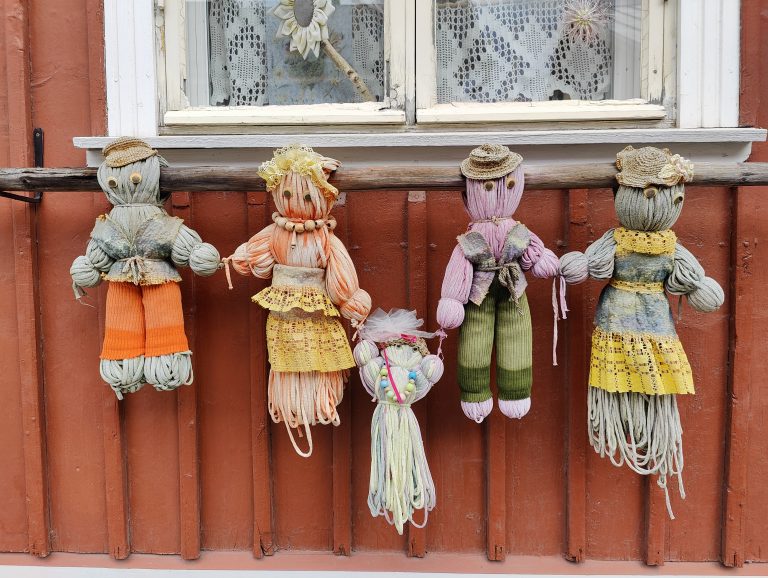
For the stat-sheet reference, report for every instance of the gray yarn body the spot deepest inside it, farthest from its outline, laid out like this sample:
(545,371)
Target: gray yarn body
(138,242)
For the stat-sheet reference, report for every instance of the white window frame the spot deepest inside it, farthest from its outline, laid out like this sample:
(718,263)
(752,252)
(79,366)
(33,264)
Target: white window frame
(691,80)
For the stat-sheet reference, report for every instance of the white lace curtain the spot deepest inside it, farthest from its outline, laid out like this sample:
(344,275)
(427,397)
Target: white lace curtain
(487,51)
(249,66)
(516,50)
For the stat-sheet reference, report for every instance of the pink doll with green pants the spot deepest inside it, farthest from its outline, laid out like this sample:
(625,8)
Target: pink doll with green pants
(484,286)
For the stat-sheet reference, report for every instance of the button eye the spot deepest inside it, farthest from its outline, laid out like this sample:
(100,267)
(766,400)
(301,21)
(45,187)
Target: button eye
(510,182)
(679,198)
(308,197)
(135,178)
(287,194)
(650,192)
(488,185)
(112,182)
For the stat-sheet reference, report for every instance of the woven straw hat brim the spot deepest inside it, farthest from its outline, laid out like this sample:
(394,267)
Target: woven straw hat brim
(639,181)
(130,155)
(472,169)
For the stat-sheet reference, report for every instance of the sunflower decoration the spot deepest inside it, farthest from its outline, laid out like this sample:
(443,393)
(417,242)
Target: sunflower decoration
(305,22)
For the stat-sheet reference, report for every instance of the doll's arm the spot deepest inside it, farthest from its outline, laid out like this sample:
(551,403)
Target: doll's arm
(342,284)
(189,251)
(541,261)
(595,262)
(86,269)
(255,255)
(457,284)
(688,278)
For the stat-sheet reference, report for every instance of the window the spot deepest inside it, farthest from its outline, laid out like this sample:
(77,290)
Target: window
(246,65)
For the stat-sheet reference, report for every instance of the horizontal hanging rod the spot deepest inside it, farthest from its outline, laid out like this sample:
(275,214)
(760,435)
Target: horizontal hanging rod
(199,179)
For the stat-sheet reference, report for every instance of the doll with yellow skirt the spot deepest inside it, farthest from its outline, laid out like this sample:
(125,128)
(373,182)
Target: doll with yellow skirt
(638,366)
(314,282)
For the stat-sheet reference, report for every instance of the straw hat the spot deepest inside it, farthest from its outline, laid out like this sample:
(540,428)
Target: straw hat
(648,166)
(490,162)
(126,150)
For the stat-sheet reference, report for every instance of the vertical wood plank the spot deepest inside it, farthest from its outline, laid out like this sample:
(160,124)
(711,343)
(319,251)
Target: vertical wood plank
(263,537)
(24,217)
(655,523)
(578,352)
(342,435)
(189,464)
(417,299)
(496,481)
(115,474)
(746,231)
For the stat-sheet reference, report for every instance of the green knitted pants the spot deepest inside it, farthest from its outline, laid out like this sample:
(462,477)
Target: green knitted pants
(512,326)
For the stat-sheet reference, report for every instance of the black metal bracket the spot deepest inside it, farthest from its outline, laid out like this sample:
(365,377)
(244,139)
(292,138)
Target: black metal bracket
(37,143)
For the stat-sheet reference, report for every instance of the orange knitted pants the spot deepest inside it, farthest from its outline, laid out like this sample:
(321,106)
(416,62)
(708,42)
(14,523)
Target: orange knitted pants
(143,320)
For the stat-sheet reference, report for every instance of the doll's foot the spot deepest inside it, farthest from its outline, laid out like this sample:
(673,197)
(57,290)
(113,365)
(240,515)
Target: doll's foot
(515,408)
(167,372)
(477,410)
(123,375)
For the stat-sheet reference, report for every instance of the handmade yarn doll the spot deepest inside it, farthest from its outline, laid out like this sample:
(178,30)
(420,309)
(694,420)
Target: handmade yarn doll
(313,281)
(136,248)
(397,370)
(638,366)
(484,286)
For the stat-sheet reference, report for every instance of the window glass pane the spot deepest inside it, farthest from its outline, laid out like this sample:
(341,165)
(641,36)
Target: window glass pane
(535,50)
(283,52)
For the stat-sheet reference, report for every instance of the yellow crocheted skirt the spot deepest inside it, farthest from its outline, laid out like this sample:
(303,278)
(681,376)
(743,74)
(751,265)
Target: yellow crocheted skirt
(637,362)
(307,343)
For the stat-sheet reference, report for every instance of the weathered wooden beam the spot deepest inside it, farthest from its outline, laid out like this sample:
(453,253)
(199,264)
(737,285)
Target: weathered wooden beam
(200,179)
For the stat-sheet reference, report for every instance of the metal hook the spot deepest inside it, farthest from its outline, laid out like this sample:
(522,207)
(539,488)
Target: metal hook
(37,143)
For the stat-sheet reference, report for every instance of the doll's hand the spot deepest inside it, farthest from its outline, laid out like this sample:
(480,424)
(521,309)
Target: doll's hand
(574,267)
(450,313)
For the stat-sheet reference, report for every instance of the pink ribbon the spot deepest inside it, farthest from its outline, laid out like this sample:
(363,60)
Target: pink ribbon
(391,380)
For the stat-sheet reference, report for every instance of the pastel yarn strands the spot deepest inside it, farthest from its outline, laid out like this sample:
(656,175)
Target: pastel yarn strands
(397,370)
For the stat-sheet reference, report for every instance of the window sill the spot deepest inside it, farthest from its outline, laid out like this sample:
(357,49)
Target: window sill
(381,147)
(312,114)
(561,110)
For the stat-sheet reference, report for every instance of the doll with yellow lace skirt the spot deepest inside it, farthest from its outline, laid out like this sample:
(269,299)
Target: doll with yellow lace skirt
(313,283)
(638,366)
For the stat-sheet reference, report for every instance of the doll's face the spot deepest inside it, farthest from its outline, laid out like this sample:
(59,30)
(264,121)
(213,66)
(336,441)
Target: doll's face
(649,209)
(298,197)
(489,198)
(137,182)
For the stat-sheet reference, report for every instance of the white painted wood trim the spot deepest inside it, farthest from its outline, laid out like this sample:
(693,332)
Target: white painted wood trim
(652,50)
(447,139)
(426,68)
(555,110)
(197,88)
(708,63)
(626,49)
(129,47)
(396,51)
(175,43)
(372,113)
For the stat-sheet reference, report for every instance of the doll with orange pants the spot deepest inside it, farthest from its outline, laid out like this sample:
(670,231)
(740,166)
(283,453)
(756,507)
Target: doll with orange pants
(136,248)
(313,283)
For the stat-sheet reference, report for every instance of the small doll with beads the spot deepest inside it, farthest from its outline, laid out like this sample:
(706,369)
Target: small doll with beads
(397,369)
(484,286)
(638,366)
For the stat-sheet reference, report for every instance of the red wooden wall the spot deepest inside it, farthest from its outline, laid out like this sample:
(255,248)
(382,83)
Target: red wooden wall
(204,468)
